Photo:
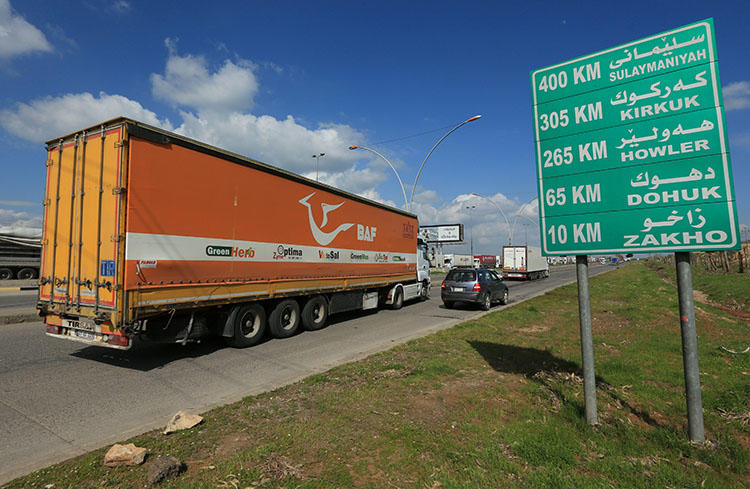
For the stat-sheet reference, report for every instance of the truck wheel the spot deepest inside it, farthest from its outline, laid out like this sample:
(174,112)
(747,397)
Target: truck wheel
(249,324)
(425,291)
(5,274)
(284,319)
(398,299)
(315,313)
(486,302)
(504,300)
(26,274)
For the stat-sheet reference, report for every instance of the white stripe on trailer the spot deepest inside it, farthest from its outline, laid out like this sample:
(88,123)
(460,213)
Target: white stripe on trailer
(149,247)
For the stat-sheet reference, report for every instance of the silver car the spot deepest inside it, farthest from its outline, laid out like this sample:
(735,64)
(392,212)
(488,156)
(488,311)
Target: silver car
(475,285)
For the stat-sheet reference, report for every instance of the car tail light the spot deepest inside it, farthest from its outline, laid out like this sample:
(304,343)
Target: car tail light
(443,285)
(51,328)
(477,287)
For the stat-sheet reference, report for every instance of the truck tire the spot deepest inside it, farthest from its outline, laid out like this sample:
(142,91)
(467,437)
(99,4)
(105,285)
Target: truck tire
(315,313)
(425,294)
(248,325)
(26,274)
(284,321)
(5,274)
(398,299)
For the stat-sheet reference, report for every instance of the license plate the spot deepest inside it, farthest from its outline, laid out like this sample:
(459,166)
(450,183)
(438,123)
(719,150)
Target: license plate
(458,289)
(85,334)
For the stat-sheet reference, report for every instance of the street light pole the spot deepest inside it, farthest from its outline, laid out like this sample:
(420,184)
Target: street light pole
(471,230)
(518,214)
(403,190)
(414,187)
(510,238)
(317,160)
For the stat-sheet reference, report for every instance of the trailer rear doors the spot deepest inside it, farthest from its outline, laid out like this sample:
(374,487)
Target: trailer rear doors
(83,215)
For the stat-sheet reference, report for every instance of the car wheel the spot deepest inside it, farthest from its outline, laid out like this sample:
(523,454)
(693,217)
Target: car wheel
(315,313)
(504,300)
(284,319)
(449,304)
(486,302)
(248,326)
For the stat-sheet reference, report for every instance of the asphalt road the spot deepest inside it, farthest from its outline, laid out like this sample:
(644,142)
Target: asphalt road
(18,298)
(59,399)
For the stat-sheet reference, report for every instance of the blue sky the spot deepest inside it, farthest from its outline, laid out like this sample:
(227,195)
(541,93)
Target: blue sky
(280,81)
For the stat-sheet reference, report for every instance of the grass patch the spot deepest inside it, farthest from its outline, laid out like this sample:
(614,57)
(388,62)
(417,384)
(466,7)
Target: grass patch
(730,291)
(496,402)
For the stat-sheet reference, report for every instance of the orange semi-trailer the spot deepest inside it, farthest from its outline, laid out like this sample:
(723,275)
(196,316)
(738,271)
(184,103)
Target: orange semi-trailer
(150,233)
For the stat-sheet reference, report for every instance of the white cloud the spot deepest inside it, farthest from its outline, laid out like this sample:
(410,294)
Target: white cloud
(17,36)
(121,6)
(187,82)
(736,95)
(19,223)
(357,181)
(216,108)
(484,222)
(18,203)
(739,139)
(283,143)
(51,117)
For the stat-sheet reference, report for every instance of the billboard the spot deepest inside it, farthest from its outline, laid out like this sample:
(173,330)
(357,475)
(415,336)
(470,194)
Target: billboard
(442,233)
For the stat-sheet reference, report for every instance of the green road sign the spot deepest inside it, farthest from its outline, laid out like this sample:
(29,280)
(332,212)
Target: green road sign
(632,135)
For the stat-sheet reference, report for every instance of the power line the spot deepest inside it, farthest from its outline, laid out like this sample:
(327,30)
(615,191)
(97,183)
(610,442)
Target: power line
(411,136)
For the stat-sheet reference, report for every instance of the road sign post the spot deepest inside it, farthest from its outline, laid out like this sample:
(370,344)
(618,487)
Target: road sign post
(633,156)
(689,348)
(587,340)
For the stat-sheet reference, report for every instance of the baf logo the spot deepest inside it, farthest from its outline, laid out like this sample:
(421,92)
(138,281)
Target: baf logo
(364,233)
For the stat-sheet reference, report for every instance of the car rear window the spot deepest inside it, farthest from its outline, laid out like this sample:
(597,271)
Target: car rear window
(461,276)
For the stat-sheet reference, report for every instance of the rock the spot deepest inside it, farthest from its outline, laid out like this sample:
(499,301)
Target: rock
(182,421)
(164,468)
(124,455)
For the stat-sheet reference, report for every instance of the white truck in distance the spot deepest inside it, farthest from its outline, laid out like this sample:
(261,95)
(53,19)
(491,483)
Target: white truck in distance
(524,262)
